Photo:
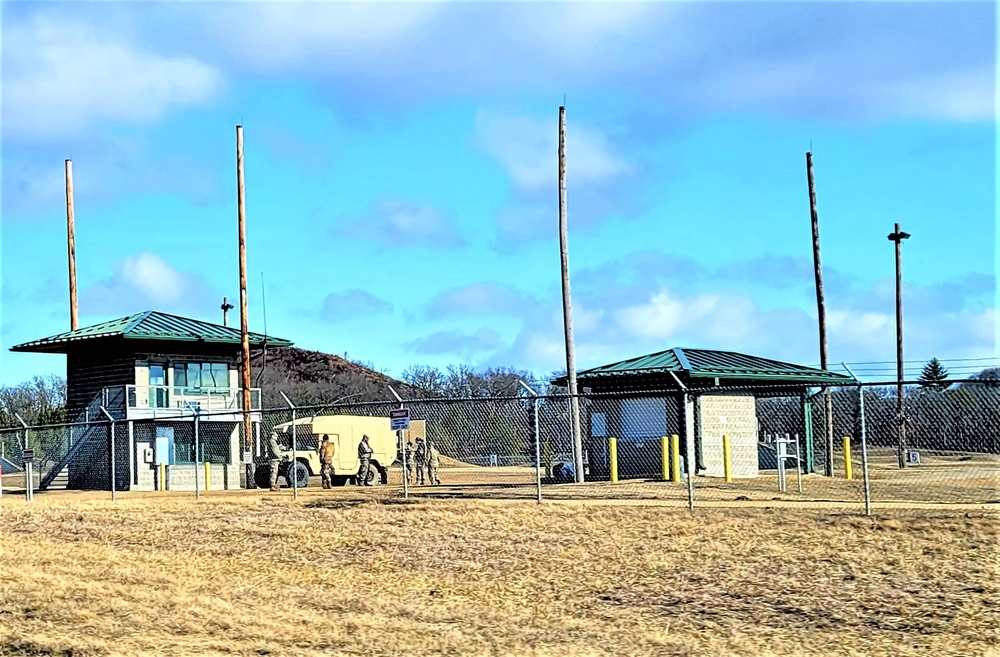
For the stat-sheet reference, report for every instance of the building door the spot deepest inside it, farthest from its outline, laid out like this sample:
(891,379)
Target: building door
(643,422)
(158,385)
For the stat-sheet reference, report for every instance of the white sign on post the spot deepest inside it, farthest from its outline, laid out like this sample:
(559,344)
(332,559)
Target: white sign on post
(399,419)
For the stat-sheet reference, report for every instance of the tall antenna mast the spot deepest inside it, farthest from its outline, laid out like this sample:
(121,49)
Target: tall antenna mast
(574,402)
(244,333)
(821,311)
(71,247)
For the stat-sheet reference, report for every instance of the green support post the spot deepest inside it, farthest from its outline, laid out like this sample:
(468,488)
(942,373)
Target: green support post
(807,421)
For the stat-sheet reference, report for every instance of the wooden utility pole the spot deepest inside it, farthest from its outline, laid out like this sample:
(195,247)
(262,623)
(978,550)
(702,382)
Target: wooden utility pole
(574,401)
(244,333)
(898,236)
(71,247)
(821,311)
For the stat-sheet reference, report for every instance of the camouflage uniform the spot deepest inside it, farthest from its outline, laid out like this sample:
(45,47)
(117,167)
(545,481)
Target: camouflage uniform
(433,463)
(420,459)
(326,451)
(365,456)
(273,459)
(409,463)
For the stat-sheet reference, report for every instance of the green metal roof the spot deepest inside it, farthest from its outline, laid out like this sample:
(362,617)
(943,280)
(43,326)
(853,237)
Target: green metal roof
(709,364)
(150,325)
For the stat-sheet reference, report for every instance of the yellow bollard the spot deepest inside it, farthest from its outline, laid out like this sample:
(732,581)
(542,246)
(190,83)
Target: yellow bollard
(613,449)
(727,459)
(847,458)
(208,474)
(675,456)
(665,457)
(163,477)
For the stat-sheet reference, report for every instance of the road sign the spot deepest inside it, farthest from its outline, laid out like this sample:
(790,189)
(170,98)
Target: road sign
(399,419)
(247,457)
(28,455)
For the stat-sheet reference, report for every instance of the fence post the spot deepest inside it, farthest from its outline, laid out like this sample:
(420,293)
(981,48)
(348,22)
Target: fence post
(111,441)
(197,417)
(538,440)
(689,455)
(848,473)
(864,453)
(293,466)
(402,448)
(864,442)
(613,456)
(727,459)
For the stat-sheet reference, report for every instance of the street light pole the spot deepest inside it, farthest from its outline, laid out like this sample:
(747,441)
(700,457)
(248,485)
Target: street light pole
(898,236)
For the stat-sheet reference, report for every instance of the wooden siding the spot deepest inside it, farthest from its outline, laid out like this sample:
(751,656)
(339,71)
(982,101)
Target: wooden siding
(89,373)
(113,363)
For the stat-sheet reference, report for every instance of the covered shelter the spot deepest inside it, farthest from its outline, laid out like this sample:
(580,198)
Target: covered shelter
(151,371)
(699,395)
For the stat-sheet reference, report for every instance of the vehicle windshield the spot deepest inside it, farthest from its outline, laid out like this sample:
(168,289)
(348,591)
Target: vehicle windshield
(304,441)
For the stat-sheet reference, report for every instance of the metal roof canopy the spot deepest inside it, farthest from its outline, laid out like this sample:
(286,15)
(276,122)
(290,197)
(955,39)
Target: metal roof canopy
(149,325)
(700,368)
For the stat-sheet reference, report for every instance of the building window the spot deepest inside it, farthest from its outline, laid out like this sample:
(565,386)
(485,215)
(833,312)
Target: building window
(201,376)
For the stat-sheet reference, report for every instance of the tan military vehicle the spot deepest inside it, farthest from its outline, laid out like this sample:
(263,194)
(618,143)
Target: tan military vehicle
(345,432)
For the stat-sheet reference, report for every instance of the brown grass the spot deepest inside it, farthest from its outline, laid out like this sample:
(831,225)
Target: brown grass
(360,573)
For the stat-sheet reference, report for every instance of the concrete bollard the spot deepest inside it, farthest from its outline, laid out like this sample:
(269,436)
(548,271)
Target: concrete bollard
(727,459)
(665,458)
(675,457)
(848,473)
(613,451)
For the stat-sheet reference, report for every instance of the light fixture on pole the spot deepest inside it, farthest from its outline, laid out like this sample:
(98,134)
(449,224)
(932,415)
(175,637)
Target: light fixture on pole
(898,236)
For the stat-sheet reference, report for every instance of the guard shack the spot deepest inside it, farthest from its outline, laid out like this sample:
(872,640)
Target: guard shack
(699,395)
(152,372)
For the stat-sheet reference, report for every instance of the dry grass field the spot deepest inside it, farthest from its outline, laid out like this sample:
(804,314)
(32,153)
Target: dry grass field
(351,572)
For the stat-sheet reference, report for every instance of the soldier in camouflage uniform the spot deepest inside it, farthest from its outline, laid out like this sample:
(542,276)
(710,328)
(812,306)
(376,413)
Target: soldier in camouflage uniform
(420,460)
(433,463)
(326,452)
(409,463)
(365,456)
(273,459)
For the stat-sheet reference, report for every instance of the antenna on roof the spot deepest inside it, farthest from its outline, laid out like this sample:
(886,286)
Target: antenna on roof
(226,307)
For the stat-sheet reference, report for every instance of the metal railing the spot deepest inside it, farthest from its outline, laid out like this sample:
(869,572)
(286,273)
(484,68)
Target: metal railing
(172,401)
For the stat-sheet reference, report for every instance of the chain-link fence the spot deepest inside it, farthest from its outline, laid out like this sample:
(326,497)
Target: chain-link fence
(858,446)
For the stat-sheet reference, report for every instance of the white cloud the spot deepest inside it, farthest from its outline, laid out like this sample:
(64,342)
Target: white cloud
(963,95)
(394,222)
(146,281)
(279,36)
(62,78)
(527,147)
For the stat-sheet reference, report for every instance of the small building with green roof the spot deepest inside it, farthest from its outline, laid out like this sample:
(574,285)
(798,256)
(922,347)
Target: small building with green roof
(699,395)
(152,365)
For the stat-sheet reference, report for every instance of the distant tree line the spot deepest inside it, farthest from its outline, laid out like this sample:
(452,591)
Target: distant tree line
(939,414)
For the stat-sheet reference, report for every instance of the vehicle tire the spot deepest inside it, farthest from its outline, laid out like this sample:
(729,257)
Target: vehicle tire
(300,472)
(262,476)
(373,475)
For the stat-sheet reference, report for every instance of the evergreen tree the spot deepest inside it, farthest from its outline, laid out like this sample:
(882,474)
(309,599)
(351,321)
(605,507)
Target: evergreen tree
(934,375)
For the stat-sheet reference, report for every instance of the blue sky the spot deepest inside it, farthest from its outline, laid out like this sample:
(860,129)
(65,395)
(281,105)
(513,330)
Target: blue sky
(401,174)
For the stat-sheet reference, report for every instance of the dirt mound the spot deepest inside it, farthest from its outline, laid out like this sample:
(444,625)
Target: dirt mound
(448,462)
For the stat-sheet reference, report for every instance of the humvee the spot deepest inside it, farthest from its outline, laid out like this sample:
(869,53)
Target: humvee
(345,433)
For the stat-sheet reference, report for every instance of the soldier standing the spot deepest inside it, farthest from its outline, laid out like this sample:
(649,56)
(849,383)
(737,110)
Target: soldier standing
(409,463)
(273,459)
(420,456)
(326,452)
(433,463)
(365,456)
